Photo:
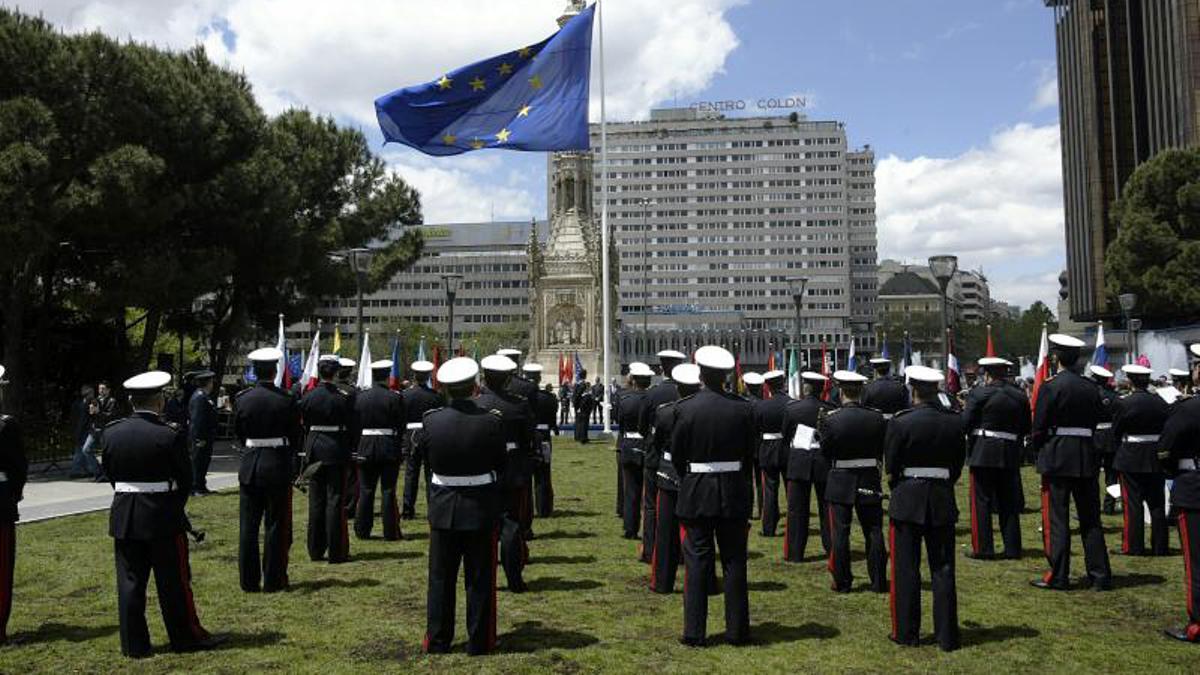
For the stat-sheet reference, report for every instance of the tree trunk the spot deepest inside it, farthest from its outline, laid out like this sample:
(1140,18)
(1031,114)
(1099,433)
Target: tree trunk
(145,350)
(14,334)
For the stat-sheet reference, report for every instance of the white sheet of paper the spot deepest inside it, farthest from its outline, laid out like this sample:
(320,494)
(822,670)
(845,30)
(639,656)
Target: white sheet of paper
(1114,490)
(803,439)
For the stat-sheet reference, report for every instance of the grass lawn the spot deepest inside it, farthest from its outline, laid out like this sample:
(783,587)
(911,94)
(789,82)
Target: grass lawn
(588,609)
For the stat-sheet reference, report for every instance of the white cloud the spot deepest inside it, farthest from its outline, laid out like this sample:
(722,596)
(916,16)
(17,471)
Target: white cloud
(999,208)
(1046,96)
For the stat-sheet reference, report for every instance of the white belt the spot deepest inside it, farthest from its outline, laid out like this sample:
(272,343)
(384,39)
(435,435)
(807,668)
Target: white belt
(665,476)
(854,464)
(1079,432)
(1141,438)
(162,486)
(666,456)
(3,477)
(327,428)
(543,427)
(463,481)
(265,442)
(888,416)
(413,425)
(1102,426)
(714,467)
(988,433)
(926,472)
(510,446)
(378,432)
(772,437)
(1187,465)
(631,434)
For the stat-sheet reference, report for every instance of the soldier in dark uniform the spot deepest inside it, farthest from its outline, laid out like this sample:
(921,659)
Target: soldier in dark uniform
(657,395)
(712,440)
(266,423)
(1181,380)
(418,399)
(202,429)
(1183,462)
(1138,420)
(380,419)
(520,384)
(545,411)
(772,451)
(564,404)
(852,443)
(665,558)
(527,389)
(754,392)
(806,468)
(887,393)
(631,448)
(996,421)
(1064,420)
(14,468)
(346,383)
(583,402)
(517,421)
(328,414)
(1106,447)
(465,448)
(924,453)
(147,462)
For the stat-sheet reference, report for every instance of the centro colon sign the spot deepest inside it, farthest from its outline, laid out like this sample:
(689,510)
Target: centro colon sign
(788,103)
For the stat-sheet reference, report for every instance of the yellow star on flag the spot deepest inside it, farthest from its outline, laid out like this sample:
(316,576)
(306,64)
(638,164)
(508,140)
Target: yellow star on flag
(444,83)
(525,52)
(476,144)
(536,81)
(524,112)
(449,139)
(505,69)
(503,135)
(477,84)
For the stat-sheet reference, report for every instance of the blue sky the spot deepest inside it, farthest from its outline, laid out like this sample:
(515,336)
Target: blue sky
(958,98)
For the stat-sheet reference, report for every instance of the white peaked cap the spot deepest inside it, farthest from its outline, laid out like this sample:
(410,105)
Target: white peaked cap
(849,377)
(509,351)
(1195,350)
(670,354)
(1,371)
(382,363)
(456,370)
(712,356)
(532,368)
(1066,341)
(923,374)
(329,357)
(1173,372)
(498,364)
(639,369)
(149,381)
(812,376)
(751,378)
(346,363)
(265,355)
(993,361)
(1134,369)
(686,373)
(879,361)
(1102,372)
(773,374)
(422,367)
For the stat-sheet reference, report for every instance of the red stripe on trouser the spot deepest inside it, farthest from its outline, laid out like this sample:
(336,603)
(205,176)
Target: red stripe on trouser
(892,582)
(1187,563)
(1125,539)
(974,514)
(1046,518)
(491,637)
(832,534)
(654,551)
(185,582)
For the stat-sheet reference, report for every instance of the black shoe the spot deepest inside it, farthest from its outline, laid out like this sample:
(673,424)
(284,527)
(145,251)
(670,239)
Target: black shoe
(693,642)
(1012,556)
(743,641)
(839,589)
(519,587)
(207,644)
(1184,633)
(979,556)
(1046,585)
(1086,581)
(904,644)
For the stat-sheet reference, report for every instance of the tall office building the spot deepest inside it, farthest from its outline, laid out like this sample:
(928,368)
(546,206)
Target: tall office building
(1129,87)
(711,216)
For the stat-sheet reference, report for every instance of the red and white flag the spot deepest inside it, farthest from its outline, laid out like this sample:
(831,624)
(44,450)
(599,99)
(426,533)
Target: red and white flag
(308,378)
(1043,368)
(953,375)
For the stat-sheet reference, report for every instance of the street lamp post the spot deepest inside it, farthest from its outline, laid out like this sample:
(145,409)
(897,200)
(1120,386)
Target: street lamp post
(1128,304)
(451,282)
(943,268)
(646,204)
(360,263)
(796,285)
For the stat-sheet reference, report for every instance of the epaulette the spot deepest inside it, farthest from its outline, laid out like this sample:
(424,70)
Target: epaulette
(174,426)
(431,410)
(116,421)
(664,405)
(496,412)
(833,412)
(867,407)
(685,398)
(901,412)
(242,392)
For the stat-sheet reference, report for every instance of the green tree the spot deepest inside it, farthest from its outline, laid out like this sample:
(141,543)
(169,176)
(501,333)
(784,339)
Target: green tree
(1156,252)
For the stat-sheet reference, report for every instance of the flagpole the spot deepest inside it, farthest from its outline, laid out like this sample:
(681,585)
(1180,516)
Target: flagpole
(604,280)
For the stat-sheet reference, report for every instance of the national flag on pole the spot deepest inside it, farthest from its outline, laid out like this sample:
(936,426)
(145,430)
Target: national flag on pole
(437,358)
(561,379)
(364,362)
(1100,356)
(883,352)
(295,365)
(793,374)
(827,373)
(397,372)
(578,368)
(906,358)
(953,375)
(532,98)
(337,340)
(1043,368)
(739,387)
(308,377)
(421,350)
(852,360)
(281,375)
(991,348)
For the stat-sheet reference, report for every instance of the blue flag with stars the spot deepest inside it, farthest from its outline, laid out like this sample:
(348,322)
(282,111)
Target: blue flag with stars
(534,98)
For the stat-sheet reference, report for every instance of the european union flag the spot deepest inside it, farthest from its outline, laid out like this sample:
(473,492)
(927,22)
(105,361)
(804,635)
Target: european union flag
(534,98)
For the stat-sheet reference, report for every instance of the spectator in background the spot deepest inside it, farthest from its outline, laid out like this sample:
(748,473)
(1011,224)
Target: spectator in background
(224,402)
(175,409)
(83,410)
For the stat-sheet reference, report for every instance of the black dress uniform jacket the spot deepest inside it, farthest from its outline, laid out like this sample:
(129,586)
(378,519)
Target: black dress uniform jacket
(380,408)
(142,448)
(667,477)
(713,427)
(926,436)
(999,406)
(328,405)
(419,400)
(517,423)
(1105,444)
(546,410)
(463,439)
(632,408)
(768,419)
(1139,413)
(805,465)
(1181,441)
(887,394)
(852,432)
(202,416)
(266,411)
(14,464)
(524,388)
(1069,400)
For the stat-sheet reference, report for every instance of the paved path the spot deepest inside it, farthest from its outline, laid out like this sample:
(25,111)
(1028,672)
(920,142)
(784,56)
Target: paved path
(53,496)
